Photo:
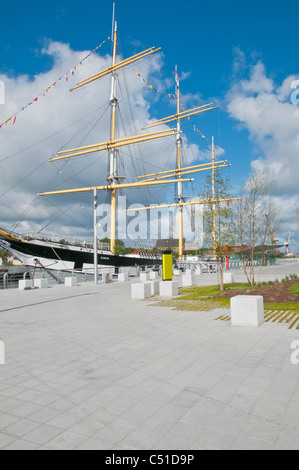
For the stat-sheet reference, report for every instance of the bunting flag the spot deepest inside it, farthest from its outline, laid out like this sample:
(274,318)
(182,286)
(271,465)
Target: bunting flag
(171,96)
(151,87)
(44,93)
(196,129)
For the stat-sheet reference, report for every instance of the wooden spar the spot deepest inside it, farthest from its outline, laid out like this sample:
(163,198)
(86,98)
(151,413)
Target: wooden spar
(161,121)
(111,142)
(182,169)
(115,67)
(193,203)
(189,172)
(183,115)
(112,186)
(115,145)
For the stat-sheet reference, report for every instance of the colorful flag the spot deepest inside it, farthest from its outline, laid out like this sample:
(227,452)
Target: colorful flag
(177,77)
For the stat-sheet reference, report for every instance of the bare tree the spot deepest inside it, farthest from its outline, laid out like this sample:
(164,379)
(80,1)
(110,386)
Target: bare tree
(219,236)
(255,221)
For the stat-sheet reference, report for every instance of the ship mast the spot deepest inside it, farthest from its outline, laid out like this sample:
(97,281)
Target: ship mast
(112,177)
(179,171)
(180,198)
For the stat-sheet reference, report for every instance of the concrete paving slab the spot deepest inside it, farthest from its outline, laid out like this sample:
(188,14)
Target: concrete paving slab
(91,368)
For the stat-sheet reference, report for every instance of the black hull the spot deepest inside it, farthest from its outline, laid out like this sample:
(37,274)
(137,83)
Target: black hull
(78,256)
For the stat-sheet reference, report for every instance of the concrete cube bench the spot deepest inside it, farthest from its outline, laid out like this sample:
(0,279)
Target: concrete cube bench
(247,310)
(169,289)
(25,284)
(141,290)
(228,278)
(153,275)
(123,277)
(41,283)
(70,282)
(105,278)
(155,287)
(188,280)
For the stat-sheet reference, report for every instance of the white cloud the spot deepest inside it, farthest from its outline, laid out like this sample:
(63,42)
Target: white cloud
(265,110)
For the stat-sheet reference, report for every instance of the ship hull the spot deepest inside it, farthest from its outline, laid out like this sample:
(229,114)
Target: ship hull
(66,257)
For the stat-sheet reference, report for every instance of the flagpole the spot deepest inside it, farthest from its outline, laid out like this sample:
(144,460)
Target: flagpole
(95,232)
(180,198)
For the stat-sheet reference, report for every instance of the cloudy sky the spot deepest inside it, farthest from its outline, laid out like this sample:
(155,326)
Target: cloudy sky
(240,56)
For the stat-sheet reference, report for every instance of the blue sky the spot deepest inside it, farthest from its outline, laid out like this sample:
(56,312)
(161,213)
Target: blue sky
(216,45)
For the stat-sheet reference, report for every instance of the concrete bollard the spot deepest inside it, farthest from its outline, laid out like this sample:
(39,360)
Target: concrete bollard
(169,289)
(26,284)
(123,277)
(105,278)
(188,280)
(141,291)
(155,287)
(41,283)
(247,310)
(144,276)
(228,278)
(153,275)
(177,272)
(70,282)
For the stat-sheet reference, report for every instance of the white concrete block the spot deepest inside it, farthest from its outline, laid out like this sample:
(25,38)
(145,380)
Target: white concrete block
(105,278)
(177,272)
(153,275)
(188,280)
(41,283)
(247,310)
(144,276)
(155,287)
(228,278)
(123,277)
(198,272)
(188,272)
(70,282)
(25,284)
(169,288)
(141,290)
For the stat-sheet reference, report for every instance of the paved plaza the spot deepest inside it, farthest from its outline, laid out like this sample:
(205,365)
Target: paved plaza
(89,368)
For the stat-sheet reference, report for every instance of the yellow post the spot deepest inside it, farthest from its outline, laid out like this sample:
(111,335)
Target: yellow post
(167,266)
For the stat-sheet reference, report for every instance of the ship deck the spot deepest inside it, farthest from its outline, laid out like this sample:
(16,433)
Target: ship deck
(89,368)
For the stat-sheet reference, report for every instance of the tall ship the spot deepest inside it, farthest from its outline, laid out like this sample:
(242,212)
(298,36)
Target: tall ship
(33,251)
